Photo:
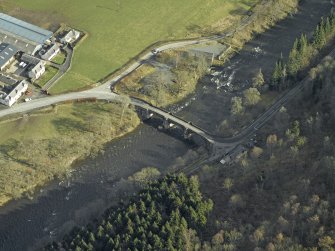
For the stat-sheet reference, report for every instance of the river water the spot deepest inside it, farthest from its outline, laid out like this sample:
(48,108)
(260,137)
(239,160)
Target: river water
(26,224)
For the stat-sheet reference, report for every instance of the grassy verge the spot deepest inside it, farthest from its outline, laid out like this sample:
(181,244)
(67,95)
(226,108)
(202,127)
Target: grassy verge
(38,147)
(50,72)
(59,58)
(119,30)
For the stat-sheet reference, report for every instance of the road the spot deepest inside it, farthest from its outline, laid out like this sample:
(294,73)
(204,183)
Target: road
(103,92)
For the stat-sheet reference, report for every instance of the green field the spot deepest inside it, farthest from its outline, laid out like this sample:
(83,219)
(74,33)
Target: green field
(118,30)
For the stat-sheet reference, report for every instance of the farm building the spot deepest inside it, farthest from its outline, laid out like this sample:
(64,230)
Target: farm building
(37,70)
(7,53)
(30,59)
(24,36)
(50,53)
(70,36)
(12,97)
(6,80)
(36,66)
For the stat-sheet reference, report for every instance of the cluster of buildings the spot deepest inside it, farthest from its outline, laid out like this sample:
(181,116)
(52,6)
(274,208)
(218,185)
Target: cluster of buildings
(25,49)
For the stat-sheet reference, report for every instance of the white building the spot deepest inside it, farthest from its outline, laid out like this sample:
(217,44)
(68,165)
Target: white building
(51,52)
(37,71)
(15,94)
(70,37)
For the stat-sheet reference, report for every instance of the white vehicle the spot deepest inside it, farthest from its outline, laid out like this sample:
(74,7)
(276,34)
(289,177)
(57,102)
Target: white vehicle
(27,99)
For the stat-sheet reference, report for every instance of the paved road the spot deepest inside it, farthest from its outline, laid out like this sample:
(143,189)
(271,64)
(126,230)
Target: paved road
(51,100)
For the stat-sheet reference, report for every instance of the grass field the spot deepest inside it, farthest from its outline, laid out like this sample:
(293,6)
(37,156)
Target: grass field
(119,30)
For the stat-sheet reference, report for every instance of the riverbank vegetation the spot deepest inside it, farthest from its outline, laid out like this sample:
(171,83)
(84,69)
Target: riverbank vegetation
(303,54)
(40,146)
(263,15)
(174,76)
(164,216)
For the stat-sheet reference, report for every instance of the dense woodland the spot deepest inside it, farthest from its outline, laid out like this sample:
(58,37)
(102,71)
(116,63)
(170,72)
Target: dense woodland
(164,216)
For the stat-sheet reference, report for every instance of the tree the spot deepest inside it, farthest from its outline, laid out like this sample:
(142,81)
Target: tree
(271,141)
(293,60)
(319,37)
(236,105)
(256,152)
(251,96)
(276,75)
(258,80)
(228,184)
(326,243)
(327,26)
(279,75)
(303,44)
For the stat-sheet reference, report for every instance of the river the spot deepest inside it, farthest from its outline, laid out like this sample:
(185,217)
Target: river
(25,224)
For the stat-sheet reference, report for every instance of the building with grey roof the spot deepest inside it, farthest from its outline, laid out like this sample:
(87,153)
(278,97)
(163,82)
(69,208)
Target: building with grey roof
(12,97)
(26,37)
(29,59)
(7,80)
(36,66)
(7,53)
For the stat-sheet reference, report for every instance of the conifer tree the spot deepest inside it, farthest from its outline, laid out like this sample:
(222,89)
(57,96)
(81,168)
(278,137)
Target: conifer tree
(276,76)
(293,60)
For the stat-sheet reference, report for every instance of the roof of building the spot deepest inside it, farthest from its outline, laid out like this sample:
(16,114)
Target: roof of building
(7,80)
(30,59)
(7,51)
(50,51)
(71,35)
(21,86)
(22,44)
(23,29)
(37,68)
